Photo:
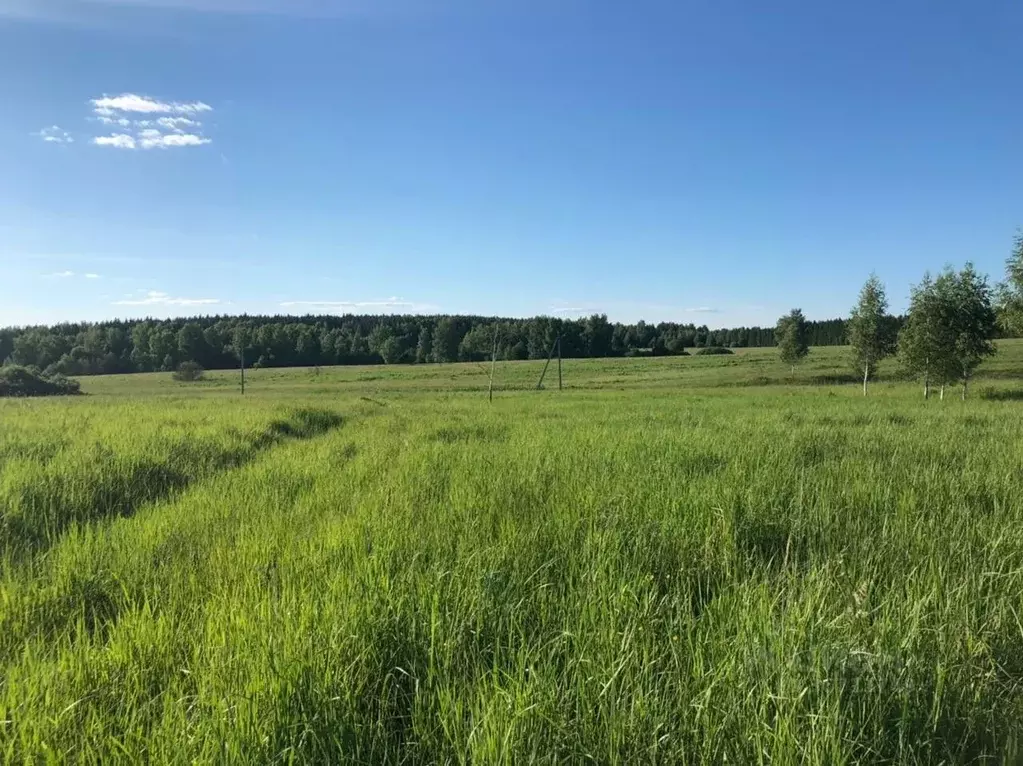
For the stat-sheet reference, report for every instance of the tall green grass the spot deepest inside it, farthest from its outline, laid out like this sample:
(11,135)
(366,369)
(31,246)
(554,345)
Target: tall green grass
(740,574)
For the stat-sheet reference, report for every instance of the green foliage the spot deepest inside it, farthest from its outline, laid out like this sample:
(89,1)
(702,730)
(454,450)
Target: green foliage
(1010,292)
(792,337)
(870,332)
(971,318)
(714,351)
(188,372)
(950,327)
(446,339)
(19,381)
(217,343)
(925,338)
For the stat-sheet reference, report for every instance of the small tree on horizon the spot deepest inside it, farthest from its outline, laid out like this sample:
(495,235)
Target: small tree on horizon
(949,329)
(869,330)
(1010,292)
(791,336)
(924,341)
(970,315)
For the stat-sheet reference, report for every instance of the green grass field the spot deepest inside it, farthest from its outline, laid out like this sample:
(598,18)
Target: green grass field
(677,560)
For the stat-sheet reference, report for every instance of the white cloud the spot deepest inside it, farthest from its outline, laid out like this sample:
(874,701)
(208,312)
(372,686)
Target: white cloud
(376,306)
(69,274)
(153,139)
(177,124)
(107,106)
(123,122)
(55,135)
(702,310)
(173,130)
(156,298)
(118,141)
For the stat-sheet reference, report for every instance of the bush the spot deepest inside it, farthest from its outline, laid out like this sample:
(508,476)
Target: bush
(24,381)
(188,372)
(713,351)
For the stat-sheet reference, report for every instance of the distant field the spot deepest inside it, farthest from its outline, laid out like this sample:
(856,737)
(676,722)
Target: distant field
(747,367)
(674,560)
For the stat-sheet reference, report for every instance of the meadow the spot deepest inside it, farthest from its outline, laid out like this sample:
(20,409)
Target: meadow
(672,560)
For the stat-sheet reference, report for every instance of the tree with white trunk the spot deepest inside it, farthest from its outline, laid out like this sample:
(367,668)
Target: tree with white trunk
(966,297)
(949,329)
(869,330)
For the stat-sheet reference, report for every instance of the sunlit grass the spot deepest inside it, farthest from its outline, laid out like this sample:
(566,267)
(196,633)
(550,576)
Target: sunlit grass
(672,573)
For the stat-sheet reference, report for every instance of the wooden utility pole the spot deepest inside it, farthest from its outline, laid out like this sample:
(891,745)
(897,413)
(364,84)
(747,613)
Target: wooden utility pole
(493,364)
(556,345)
(241,356)
(559,363)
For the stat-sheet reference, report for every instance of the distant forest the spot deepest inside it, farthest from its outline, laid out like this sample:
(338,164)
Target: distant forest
(286,341)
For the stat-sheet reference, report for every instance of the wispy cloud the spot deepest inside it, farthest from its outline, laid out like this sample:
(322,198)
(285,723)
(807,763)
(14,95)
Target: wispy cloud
(175,123)
(118,141)
(178,126)
(156,298)
(703,310)
(107,106)
(569,310)
(70,274)
(154,139)
(55,135)
(375,306)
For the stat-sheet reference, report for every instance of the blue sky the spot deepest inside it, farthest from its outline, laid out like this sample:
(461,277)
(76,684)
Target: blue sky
(714,161)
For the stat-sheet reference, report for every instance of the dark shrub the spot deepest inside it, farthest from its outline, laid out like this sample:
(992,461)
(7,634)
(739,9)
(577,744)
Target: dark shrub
(713,351)
(188,372)
(24,381)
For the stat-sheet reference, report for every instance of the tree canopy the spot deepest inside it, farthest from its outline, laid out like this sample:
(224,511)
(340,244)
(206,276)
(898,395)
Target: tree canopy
(793,337)
(217,342)
(871,334)
(949,328)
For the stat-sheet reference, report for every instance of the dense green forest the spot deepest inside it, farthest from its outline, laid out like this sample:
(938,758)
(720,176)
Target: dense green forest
(286,341)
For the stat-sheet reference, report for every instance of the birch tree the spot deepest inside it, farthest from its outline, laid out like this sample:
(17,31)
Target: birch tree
(970,315)
(1010,292)
(924,341)
(869,332)
(791,337)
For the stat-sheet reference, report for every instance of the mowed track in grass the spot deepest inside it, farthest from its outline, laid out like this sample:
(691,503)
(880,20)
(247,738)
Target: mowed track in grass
(692,569)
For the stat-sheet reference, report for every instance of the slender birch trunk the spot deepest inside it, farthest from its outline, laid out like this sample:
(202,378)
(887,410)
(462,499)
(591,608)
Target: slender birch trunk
(866,373)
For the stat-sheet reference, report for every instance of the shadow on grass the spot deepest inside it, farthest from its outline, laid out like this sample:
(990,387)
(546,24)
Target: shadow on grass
(43,507)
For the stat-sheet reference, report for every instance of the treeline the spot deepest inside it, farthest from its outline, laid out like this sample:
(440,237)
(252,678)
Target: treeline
(283,341)
(948,331)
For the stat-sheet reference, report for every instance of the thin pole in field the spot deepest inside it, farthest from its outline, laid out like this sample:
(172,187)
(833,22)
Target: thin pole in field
(241,355)
(493,364)
(550,356)
(559,363)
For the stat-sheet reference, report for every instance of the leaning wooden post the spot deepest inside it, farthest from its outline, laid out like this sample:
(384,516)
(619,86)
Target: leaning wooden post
(559,363)
(550,356)
(493,365)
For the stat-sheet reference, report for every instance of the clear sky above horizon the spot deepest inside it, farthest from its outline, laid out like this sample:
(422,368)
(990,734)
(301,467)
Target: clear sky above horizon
(713,161)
